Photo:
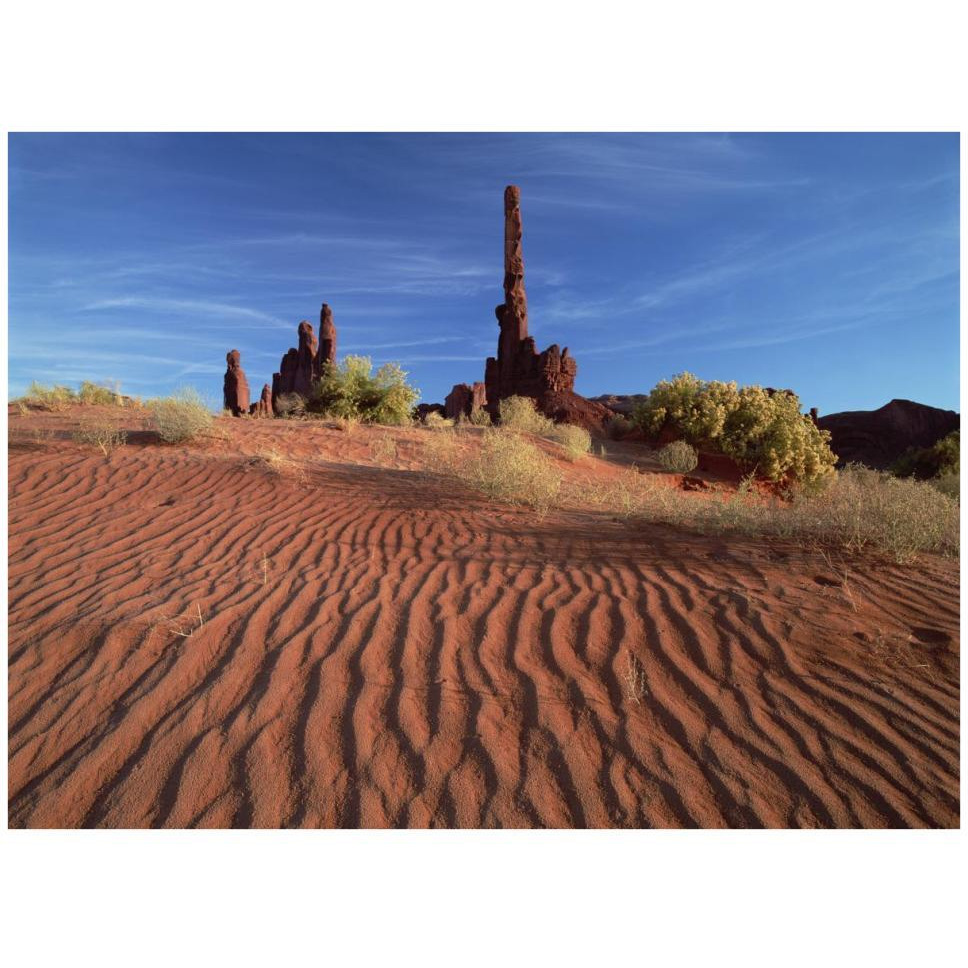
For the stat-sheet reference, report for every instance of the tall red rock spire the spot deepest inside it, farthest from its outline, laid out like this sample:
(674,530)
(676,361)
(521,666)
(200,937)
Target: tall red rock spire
(518,368)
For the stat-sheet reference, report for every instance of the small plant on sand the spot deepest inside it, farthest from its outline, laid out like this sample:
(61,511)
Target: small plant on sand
(100,394)
(49,398)
(634,678)
(180,417)
(519,413)
(437,421)
(511,469)
(479,418)
(282,466)
(384,449)
(103,434)
(678,457)
(576,442)
(290,406)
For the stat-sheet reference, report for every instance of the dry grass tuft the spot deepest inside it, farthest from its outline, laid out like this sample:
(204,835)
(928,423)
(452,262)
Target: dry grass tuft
(104,434)
(509,468)
(280,465)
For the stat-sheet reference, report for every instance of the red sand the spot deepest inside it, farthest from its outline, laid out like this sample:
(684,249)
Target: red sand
(378,649)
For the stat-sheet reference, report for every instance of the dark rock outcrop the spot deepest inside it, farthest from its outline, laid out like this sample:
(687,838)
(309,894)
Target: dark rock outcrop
(464,399)
(620,403)
(235,387)
(877,438)
(519,369)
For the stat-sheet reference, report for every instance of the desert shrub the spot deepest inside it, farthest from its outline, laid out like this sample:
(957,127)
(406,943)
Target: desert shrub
(180,417)
(511,469)
(679,457)
(756,428)
(49,398)
(437,421)
(480,418)
(948,484)
(618,427)
(574,441)
(103,434)
(351,389)
(441,450)
(100,394)
(941,458)
(289,406)
(519,413)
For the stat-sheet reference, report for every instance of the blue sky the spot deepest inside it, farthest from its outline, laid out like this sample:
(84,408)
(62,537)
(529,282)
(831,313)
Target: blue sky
(827,263)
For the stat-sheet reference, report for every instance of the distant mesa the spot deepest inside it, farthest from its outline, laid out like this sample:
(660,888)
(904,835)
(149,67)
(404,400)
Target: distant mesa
(878,438)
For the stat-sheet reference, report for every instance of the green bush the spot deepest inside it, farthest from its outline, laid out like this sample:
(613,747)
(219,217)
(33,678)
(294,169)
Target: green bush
(180,417)
(519,413)
(351,389)
(574,441)
(757,429)
(679,457)
(511,469)
(941,458)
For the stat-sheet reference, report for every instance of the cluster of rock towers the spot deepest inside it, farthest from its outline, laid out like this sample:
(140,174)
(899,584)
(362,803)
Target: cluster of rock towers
(299,367)
(517,370)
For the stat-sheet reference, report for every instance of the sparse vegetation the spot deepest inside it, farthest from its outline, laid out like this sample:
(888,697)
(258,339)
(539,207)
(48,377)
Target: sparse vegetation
(634,678)
(182,416)
(511,469)
(281,465)
(755,428)
(858,510)
(384,449)
(351,389)
(576,442)
(480,418)
(54,398)
(103,434)
(100,394)
(678,457)
(519,413)
(437,421)
(290,406)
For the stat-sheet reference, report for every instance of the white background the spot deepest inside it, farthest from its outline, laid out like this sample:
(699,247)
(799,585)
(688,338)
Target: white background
(782,898)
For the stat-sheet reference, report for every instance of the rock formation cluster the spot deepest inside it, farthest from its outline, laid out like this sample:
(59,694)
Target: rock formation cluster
(235,387)
(304,363)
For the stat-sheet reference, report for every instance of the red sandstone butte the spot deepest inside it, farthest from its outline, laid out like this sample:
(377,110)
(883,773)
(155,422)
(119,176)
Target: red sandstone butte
(235,387)
(303,364)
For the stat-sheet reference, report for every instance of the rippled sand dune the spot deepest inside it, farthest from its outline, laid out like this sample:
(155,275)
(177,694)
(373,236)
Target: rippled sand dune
(196,641)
